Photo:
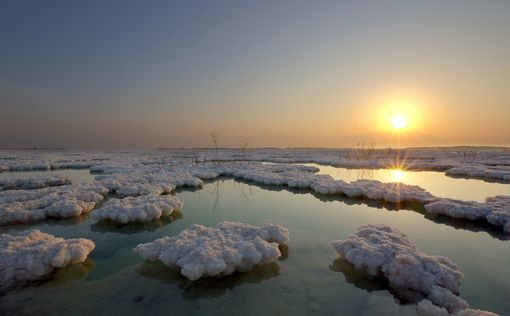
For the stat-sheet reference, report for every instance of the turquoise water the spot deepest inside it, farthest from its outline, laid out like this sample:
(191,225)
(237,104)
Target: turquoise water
(309,279)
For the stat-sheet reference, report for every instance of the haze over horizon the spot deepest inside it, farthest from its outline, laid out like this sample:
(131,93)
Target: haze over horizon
(286,74)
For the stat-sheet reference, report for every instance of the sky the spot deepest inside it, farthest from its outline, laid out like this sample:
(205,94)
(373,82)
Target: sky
(267,73)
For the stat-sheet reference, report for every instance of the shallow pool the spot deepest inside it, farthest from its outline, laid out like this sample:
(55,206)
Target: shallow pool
(309,279)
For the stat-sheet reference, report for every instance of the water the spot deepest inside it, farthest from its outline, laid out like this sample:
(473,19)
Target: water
(308,280)
(436,183)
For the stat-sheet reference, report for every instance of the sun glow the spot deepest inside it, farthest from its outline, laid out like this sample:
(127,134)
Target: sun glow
(397,175)
(398,121)
(399,113)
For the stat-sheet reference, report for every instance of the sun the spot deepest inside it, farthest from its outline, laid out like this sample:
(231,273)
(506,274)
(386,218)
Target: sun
(398,121)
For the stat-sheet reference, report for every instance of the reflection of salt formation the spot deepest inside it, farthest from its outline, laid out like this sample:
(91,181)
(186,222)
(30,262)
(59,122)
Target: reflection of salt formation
(137,209)
(397,302)
(34,182)
(65,277)
(135,228)
(214,251)
(22,206)
(384,304)
(358,277)
(383,251)
(33,255)
(207,287)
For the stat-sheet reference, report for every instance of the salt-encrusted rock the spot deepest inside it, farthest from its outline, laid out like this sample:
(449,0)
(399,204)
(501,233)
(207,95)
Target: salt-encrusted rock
(382,250)
(296,176)
(111,168)
(496,210)
(427,308)
(205,174)
(34,182)
(33,255)
(137,183)
(481,171)
(458,209)
(443,297)
(500,211)
(145,181)
(372,189)
(474,312)
(57,165)
(137,209)
(86,192)
(391,192)
(29,165)
(214,251)
(22,206)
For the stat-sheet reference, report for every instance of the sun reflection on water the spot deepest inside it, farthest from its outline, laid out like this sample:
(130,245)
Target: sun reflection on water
(397,175)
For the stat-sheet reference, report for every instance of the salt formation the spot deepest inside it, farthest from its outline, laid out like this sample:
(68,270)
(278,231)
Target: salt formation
(29,166)
(135,185)
(22,206)
(382,250)
(374,190)
(427,308)
(270,174)
(214,251)
(496,210)
(145,181)
(296,176)
(141,173)
(35,182)
(501,173)
(500,211)
(473,312)
(458,209)
(33,255)
(72,165)
(137,209)
(485,163)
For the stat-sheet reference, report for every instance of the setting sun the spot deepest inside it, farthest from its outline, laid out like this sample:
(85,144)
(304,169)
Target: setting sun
(398,121)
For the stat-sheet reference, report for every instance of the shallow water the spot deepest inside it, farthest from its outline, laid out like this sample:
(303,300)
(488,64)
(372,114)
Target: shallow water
(436,183)
(307,280)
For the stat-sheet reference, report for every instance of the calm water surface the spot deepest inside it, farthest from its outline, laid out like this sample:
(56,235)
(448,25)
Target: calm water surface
(307,280)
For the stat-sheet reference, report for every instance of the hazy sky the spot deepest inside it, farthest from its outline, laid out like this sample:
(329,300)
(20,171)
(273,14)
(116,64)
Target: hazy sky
(271,73)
